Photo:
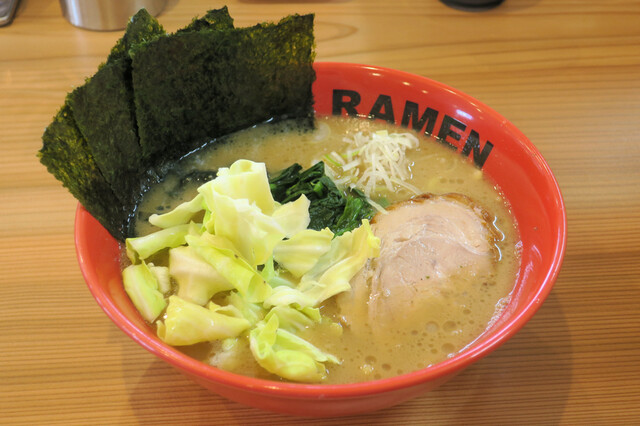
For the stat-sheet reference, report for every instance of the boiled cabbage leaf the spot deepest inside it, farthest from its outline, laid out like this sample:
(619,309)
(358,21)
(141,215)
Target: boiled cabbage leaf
(142,288)
(252,312)
(181,215)
(244,179)
(276,277)
(241,209)
(251,231)
(161,273)
(287,355)
(187,323)
(233,268)
(294,320)
(197,280)
(332,272)
(284,296)
(301,252)
(293,217)
(145,246)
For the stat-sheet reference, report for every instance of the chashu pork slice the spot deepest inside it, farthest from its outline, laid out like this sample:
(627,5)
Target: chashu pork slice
(425,242)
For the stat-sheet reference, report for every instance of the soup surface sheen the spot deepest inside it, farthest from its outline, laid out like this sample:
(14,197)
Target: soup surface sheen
(461,312)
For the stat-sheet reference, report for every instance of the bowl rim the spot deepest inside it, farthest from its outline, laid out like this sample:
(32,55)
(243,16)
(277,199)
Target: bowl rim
(334,391)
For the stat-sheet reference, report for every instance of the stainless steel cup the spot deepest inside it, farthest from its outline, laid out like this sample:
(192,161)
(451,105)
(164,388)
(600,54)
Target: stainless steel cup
(106,15)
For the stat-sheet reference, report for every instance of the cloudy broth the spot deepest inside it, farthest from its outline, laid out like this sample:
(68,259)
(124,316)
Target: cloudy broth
(450,322)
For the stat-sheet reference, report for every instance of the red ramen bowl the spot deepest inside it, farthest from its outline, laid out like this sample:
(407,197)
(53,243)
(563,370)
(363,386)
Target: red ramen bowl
(467,126)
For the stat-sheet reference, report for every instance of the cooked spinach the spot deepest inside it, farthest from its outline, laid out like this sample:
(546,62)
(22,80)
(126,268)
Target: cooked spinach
(330,208)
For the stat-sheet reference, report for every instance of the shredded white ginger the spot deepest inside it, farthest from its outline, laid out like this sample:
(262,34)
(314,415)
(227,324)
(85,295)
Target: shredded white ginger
(373,163)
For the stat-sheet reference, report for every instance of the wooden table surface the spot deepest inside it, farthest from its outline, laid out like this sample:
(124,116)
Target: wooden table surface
(567,73)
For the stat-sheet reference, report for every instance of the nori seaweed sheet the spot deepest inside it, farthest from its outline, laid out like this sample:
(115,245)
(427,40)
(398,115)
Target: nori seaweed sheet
(191,87)
(213,20)
(216,19)
(228,79)
(142,27)
(66,155)
(103,109)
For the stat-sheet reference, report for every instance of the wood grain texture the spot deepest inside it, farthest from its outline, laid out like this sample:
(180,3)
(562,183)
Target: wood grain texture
(567,73)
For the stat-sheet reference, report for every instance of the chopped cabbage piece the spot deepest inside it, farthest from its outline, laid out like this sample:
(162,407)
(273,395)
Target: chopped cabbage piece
(162,276)
(197,280)
(276,277)
(252,232)
(287,355)
(252,312)
(301,252)
(348,254)
(237,271)
(227,354)
(294,320)
(240,207)
(143,247)
(284,296)
(181,215)
(293,217)
(333,271)
(244,179)
(187,323)
(268,271)
(220,242)
(142,287)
